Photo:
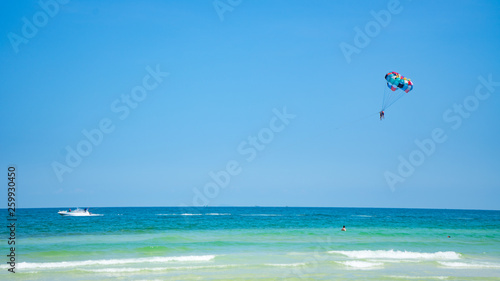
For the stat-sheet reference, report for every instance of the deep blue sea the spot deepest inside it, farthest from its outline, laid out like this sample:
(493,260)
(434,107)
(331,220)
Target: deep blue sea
(255,243)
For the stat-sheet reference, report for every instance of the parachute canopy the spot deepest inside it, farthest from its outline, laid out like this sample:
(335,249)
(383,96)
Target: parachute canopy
(396,80)
(399,86)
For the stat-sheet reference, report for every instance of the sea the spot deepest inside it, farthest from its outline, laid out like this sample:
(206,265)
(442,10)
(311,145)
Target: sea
(254,243)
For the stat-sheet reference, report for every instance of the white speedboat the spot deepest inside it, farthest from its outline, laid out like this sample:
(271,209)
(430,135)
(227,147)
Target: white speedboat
(75,213)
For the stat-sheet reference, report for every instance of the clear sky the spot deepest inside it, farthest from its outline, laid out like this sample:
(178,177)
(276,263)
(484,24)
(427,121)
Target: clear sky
(281,96)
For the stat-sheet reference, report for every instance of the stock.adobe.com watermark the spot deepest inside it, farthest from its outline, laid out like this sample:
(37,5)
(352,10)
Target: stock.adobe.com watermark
(31,25)
(223,6)
(121,107)
(363,36)
(453,116)
(249,150)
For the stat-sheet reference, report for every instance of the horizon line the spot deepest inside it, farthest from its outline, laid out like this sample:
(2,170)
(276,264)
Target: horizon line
(257,206)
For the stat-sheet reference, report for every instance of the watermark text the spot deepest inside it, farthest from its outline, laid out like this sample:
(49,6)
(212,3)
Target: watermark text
(11,218)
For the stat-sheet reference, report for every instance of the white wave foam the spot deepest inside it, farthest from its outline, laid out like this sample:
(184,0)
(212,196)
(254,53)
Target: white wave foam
(116,270)
(182,268)
(188,214)
(391,254)
(361,216)
(418,277)
(261,215)
(286,264)
(469,265)
(362,264)
(185,214)
(64,264)
(297,254)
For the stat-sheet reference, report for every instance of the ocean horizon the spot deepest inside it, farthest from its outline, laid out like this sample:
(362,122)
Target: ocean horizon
(254,206)
(256,243)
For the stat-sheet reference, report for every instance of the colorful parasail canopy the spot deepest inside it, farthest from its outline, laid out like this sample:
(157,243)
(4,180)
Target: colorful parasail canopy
(396,80)
(399,86)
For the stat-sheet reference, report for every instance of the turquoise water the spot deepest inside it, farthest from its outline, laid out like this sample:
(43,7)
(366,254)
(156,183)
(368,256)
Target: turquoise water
(256,244)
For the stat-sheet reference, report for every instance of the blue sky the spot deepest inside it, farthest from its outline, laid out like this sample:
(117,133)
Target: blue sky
(229,72)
